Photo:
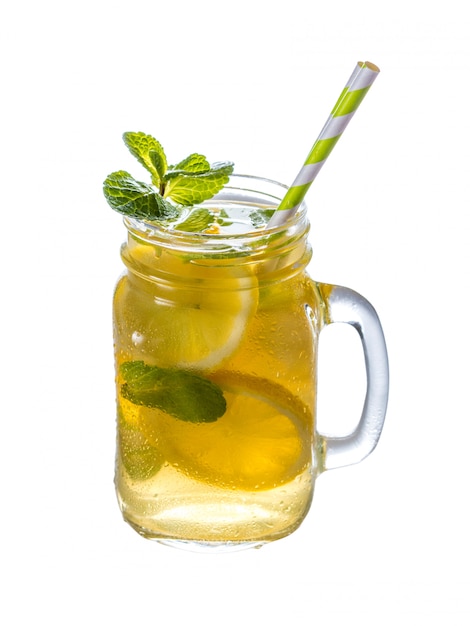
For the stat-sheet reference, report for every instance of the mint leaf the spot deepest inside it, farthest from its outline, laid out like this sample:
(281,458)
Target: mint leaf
(260,217)
(136,199)
(140,459)
(193,188)
(179,393)
(195,163)
(197,221)
(159,162)
(141,146)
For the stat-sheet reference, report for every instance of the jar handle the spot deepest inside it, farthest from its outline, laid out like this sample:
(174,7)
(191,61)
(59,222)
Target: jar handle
(344,305)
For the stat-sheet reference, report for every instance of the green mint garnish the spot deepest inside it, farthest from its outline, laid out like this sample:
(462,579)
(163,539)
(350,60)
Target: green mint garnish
(179,393)
(189,182)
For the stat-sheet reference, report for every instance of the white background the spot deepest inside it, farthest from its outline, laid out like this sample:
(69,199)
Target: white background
(386,541)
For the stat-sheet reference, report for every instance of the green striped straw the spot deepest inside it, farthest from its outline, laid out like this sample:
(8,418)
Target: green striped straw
(351,97)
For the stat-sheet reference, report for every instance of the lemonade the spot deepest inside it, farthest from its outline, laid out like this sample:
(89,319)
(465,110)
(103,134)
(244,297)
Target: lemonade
(216,326)
(215,354)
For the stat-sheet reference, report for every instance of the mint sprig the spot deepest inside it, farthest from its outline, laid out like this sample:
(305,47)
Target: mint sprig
(189,182)
(179,393)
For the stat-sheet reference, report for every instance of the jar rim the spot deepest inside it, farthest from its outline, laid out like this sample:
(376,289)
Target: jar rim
(270,190)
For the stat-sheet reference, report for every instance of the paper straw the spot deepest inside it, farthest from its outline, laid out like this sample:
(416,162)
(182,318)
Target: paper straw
(348,102)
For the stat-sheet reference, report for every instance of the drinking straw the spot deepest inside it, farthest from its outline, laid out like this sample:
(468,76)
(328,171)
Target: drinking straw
(348,102)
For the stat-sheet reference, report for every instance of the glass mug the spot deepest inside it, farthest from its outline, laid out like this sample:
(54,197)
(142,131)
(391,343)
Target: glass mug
(216,339)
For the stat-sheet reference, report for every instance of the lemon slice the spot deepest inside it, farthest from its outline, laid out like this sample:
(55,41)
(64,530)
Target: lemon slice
(198,318)
(262,441)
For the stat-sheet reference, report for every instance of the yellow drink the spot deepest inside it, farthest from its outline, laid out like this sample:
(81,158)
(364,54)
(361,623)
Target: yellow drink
(244,318)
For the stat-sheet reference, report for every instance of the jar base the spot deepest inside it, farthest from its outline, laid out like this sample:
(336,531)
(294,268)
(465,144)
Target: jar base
(215,520)
(208,547)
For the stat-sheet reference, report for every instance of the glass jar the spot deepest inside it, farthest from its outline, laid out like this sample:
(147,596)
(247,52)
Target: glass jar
(216,341)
